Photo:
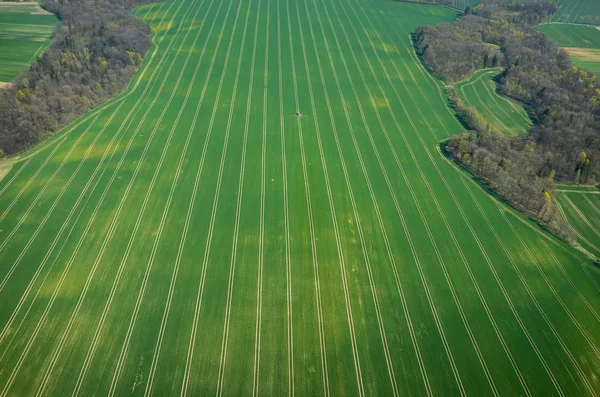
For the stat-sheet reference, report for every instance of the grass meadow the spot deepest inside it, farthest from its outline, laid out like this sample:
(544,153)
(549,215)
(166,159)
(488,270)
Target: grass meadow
(480,91)
(194,236)
(582,42)
(23,35)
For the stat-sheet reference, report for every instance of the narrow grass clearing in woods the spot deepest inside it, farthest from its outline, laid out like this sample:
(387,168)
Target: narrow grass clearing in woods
(506,115)
(196,236)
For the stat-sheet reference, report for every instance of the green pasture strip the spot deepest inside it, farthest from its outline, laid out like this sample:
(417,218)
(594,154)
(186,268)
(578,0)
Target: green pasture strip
(196,236)
(582,188)
(506,115)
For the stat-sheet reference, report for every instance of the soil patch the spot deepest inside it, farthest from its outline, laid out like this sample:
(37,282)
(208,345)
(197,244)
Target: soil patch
(589,54)
(4,170)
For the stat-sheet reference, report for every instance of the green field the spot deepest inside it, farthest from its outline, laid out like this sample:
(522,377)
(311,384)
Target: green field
(581,42)
(506,115)
(571,35)
(579,11)
(581,208)
(23,36)
(195,237)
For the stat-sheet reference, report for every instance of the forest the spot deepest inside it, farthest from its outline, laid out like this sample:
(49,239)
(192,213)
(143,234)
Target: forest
(563,100)
(96,49)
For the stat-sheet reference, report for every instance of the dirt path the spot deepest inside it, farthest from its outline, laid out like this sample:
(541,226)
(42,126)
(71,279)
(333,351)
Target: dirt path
(5,169)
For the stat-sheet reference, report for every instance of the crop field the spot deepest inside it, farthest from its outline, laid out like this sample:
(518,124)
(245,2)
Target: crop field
(581,208)
(581,42)
(24,34)
(579,11)
(508,116)
(197,236)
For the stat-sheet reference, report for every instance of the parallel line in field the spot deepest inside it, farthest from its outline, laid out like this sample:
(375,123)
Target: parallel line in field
(68,266)
(73,209)
(14,177)
(548,322)
(58,349)
(568,278)
(461,172)
(581,215)
(288,259)
(392,192)
(54,204)
(531,341)
(573,5)
(492,94)
(449,228)
(349,313)
(63,190)
(172,285)
(469,102)
(200,294)
(31,179)
(577,234)
(397,206)
(486,107)
(578,12)
(313,238)
(554,292)
(63,135)
(592,204)
(424,178)
(425,73)
(583,266)
(89,354)
(372,194)
(577,324)
(436,202)
(49,181)
(261,243)
(95,339)
(83,192)
(190,206)
(141,293)
(393,262)
(240,195)
(491,88)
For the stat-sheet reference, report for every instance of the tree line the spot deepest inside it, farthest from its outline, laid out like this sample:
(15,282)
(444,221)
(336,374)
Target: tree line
(563,100)
(95,50)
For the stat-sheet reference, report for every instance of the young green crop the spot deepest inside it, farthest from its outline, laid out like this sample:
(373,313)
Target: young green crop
(196,236)
(506,115)
(24,34)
